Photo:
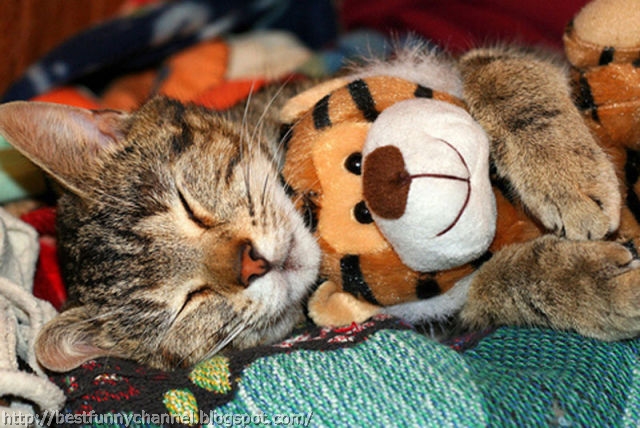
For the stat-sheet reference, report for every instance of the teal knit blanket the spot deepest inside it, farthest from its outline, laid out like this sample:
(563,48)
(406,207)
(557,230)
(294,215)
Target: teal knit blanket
(379,374)
(512,378)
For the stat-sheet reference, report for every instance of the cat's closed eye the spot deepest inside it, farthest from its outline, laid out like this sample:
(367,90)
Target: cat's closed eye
(196,296)
(199,219)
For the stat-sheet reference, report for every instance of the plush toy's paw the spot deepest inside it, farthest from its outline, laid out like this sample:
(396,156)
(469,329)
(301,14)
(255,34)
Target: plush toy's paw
(591,287)
(329,306)
(608,23)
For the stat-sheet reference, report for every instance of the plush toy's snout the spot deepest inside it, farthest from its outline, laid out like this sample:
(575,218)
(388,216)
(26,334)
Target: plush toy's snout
(426,183)
(387,183)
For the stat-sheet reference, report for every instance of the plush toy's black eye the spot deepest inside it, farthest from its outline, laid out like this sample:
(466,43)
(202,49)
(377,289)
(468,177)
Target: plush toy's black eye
(362,214)
(354,163)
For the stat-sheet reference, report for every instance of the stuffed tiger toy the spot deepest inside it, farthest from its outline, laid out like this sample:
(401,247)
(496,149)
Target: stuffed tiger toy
(352,244)
(469,188)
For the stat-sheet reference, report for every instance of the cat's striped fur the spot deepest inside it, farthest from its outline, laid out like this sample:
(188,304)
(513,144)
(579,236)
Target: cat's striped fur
(176,236)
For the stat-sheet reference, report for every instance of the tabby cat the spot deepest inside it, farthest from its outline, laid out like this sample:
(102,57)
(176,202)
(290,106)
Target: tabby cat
(177,239)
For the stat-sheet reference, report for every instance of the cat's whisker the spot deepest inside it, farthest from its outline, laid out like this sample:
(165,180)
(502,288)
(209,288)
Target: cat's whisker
(251,134)
(228,339)
(264,189)
(243,123)
(261,120)
(217,346)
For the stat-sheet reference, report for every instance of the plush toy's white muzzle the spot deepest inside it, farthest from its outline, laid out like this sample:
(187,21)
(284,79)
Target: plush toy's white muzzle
(426,183)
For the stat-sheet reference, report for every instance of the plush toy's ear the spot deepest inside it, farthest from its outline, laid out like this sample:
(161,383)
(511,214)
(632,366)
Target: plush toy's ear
(67,142)
(67,341)
(303,102)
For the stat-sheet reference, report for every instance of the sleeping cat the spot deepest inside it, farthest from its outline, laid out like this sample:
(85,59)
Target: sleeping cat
(176,236)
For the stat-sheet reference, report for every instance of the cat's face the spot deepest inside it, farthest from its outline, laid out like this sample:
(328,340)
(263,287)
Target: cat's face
(175,235)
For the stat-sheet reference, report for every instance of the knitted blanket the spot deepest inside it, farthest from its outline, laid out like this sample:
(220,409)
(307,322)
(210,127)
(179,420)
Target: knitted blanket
(24,387)
(379,373)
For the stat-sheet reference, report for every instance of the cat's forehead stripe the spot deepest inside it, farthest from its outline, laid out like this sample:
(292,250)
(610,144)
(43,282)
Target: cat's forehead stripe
(183,139)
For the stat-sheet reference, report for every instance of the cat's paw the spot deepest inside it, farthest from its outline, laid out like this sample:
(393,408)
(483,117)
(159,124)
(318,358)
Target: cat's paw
(618,296)
(591,287)
(331,307)
(541,145)
(580,200)
(597,289)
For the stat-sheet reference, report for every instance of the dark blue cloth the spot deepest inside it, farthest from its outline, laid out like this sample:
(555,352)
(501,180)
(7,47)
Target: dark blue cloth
(147,37)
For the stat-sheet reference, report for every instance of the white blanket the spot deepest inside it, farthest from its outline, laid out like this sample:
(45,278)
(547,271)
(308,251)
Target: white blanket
(24,390)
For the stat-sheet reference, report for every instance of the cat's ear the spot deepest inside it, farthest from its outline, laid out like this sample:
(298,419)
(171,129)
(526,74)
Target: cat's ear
(67,341)
(304,101)
(67,142)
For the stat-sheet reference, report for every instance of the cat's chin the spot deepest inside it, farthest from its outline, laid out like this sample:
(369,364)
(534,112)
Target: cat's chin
(270,331)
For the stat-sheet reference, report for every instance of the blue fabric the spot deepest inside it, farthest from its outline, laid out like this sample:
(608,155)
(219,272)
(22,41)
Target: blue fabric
(145,38)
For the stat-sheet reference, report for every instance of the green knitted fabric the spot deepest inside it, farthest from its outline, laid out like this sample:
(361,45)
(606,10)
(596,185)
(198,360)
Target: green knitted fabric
(543,378)
(381,374)
(513,377)
(394,378)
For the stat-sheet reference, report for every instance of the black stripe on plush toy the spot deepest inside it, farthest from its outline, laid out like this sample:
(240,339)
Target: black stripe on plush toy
(286,132)
(427,286)
(632,174)
(482,259)
(359,91)
(631,246)
(321,118)
(423,92)
(353,281)
(309,212)
(585,99)
(606,56)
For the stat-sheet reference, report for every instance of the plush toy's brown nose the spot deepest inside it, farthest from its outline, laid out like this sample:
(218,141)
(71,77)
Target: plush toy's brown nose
(386,182)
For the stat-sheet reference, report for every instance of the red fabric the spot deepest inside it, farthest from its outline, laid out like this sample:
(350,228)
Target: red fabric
(70,96)
(42,220)
(48,281)
(461,24)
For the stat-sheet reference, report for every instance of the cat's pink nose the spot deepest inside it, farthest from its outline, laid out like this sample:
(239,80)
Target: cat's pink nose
(252,264)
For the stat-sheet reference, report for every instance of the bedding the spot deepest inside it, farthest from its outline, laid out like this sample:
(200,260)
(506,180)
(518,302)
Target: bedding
(383,372)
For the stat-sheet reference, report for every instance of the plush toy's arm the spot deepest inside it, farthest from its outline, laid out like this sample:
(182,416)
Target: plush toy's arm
(539,142)
(329,306)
